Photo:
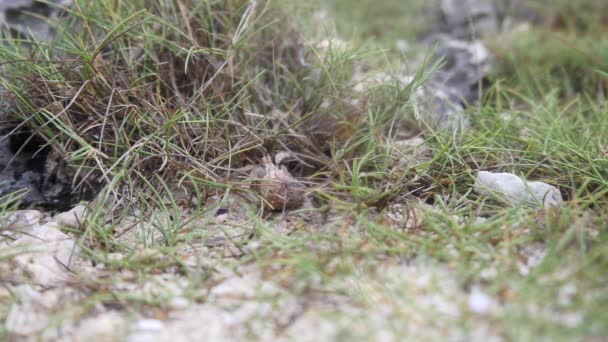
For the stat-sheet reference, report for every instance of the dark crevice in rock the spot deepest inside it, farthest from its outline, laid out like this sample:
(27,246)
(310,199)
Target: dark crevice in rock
(25,166)
(28,165)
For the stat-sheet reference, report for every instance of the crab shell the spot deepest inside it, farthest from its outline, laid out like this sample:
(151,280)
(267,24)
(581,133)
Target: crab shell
(278,188)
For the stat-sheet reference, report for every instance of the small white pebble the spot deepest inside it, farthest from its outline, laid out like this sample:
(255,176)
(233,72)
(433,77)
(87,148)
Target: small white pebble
(572,319)
(566,294)
(223,218)
(409,143)
(179,303)
(489,273)
(481,220)
(480,302)
(115,257)
(402,45)
(149,325)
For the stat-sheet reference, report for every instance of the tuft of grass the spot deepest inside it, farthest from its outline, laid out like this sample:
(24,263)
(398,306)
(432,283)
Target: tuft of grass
(146,99)
(128,90)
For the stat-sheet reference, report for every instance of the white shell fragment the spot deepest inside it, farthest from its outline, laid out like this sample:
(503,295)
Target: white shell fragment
(512,189)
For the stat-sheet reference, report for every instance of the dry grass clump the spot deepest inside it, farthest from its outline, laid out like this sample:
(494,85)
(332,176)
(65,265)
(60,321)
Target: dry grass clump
(186,91)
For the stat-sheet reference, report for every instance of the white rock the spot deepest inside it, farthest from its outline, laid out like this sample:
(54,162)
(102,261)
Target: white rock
(479,302)
(409,143)
(108,326)
(148,330)
(566,294)
(489,273)
(23,220)
(149,325)
(31,314)
(22,320)
(480,220)
(75,218)
(115,257)
(235,287)
(44,255)
(572,319)
(402,45)
(179,303)
(515,191)
(326,44)
(223,218)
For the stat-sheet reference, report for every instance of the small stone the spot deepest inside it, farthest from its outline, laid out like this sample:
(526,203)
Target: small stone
(75,218)
(489,273)
(147,256)
(402,45)
(410,143)
(572,319)
(179,303)
(107,326)
(23,321)
(479,302)
(45,255)
(566,294)
(512,189)
(115,257)
(147,330)
(29,315)
(223,218)
(480,220)
(149,325)
(24,219)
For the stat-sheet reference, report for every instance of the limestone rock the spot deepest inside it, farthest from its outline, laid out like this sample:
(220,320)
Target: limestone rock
(479,302)
(75,218)
(28,316)
(108,326)
(512,189)
(22,220)
(44,255)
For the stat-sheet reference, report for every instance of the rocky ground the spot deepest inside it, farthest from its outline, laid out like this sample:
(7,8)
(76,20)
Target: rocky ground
(206,289)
